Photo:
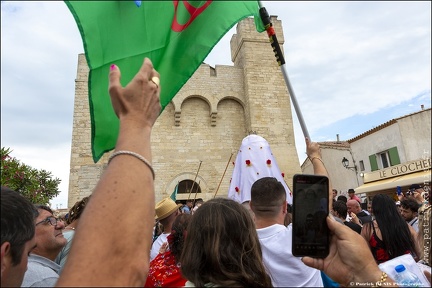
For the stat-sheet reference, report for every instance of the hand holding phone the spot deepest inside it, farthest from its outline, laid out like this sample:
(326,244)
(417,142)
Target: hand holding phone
(398,190)
(311,236)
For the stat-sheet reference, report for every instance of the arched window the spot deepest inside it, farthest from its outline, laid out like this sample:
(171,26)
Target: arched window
(185,187)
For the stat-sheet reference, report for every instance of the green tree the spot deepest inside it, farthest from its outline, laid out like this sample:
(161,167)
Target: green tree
(38,186)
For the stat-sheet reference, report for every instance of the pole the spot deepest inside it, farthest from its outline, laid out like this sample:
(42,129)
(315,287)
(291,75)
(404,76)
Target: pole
(194,180)
(196,191)
(281,62)
(223,175)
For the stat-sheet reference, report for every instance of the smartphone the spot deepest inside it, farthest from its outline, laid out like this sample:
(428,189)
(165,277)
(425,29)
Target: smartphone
(311,236)
(398,190)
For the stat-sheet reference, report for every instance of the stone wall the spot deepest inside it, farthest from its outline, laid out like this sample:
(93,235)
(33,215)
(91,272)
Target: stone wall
(205,123)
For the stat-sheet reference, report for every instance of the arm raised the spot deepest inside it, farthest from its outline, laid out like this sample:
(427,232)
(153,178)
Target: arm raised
(112,245)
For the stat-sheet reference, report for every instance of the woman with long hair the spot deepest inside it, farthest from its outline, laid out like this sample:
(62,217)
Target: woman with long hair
(389,235)
(222,248)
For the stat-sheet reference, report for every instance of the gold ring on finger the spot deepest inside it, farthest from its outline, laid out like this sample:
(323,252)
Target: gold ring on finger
(155,80)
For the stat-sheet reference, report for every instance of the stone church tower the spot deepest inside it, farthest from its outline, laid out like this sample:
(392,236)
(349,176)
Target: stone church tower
(195,136)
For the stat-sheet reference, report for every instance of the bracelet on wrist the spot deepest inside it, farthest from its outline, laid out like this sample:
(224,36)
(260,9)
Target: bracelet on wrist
(381,281)
(136,155)
(313,158)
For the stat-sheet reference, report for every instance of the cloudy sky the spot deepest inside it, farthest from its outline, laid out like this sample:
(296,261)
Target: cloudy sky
(352,65)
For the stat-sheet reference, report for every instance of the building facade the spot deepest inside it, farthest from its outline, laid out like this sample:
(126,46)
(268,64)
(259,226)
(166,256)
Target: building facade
(394,154)
(196,137)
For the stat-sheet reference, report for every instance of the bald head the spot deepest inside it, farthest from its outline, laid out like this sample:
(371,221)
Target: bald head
(353,206)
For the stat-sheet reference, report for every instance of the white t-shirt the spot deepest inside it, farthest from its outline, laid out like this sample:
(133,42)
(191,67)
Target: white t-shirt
(414,223)
(157,244)
(284,269)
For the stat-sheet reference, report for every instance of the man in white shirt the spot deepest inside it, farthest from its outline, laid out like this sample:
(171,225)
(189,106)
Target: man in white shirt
(268,202)
(166,211)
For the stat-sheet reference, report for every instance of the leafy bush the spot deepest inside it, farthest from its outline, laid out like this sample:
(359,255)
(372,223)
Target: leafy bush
(38,186)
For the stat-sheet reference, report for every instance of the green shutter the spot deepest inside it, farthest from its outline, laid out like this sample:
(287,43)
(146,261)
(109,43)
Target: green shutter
(373,162)
(394,156)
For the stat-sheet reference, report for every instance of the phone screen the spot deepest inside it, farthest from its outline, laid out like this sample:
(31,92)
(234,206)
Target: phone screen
(311,235)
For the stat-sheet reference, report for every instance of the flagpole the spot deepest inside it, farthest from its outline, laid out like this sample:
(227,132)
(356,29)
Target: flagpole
(194,180)
(223,175)
(281,61)
(196,191)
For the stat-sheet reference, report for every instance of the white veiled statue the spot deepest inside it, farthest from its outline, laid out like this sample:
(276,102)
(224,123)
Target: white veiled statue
(254,161)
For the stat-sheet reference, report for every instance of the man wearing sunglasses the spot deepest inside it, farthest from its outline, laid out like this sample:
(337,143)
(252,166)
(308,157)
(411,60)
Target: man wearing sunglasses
(42,271)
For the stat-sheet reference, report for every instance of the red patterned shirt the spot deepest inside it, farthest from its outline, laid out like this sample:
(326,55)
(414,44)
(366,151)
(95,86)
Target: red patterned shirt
(164,272)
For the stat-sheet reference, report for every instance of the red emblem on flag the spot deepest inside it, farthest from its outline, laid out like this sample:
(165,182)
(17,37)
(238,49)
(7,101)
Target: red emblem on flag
(193,12)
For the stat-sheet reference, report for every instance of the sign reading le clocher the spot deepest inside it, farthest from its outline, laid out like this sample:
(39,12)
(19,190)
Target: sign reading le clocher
(399,170)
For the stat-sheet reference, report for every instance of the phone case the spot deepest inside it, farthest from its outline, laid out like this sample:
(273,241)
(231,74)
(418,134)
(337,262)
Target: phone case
(311,236)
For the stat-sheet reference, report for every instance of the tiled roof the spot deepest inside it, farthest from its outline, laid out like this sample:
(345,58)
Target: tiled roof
(334,144)
(386,124)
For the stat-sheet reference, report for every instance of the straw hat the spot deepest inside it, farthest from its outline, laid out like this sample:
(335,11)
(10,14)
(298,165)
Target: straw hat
(165,208)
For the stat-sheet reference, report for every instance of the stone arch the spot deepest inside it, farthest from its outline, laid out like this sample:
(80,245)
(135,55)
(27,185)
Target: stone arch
(231,97)
(206,99)
(181,98)
(203,187)
(195,112)
(231,110)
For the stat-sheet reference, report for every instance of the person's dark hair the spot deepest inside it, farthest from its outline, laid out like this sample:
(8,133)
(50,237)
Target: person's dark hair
(341,208)
(17,222)
(267,196)
(342,198)
(76,211)
(158,230)
(43,207)
(394,229)
(222,247)
(410,204)
(178,234)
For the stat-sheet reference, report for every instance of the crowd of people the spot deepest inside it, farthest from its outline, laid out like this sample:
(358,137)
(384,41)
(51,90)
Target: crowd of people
(223,243)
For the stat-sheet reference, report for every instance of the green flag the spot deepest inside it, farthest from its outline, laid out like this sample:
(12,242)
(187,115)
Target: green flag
(174,194)
(176,35)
